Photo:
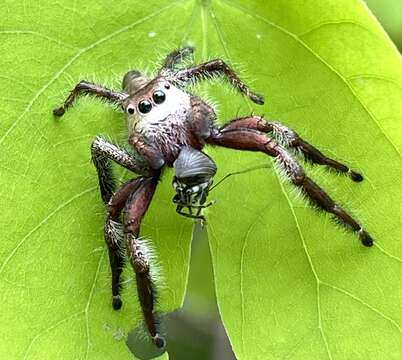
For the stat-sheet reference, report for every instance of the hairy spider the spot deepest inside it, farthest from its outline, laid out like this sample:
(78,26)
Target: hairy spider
(168,126)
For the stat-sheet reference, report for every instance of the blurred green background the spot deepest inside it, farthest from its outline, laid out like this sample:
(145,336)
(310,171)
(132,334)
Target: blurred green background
(389,14)
(199,318)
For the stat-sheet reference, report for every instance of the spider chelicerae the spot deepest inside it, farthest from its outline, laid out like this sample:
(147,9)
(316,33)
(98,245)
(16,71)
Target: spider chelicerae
(168,126)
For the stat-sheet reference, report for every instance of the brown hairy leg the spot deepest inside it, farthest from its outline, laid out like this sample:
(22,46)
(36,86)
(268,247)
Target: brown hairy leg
(138,254)
(252,140)
(86,87)
(290,139)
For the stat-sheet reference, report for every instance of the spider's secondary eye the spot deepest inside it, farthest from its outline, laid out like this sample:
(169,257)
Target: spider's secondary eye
(130,109)
(159,96)
(145,106)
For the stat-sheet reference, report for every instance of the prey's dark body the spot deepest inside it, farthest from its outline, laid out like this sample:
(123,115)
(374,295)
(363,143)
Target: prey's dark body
(168,126)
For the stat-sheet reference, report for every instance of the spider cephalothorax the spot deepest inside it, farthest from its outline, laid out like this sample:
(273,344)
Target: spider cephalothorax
(168,126)
(161,113)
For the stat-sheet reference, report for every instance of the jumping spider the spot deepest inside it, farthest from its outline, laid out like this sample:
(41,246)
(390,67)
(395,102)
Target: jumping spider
(168,126)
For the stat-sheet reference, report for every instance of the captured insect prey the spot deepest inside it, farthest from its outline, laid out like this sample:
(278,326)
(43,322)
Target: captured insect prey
(194,172)
(169,127)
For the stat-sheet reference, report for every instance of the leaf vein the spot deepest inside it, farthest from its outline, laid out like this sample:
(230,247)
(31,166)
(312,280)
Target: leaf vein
(377,245)
(38,34)
(78,55)
(335,22)
(310,261)
(318,281)
(323,61)
(91,293)
(372,308)
(41,223)
(51,327)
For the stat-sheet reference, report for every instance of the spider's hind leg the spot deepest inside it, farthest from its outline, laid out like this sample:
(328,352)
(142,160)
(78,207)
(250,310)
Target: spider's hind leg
(317,195)
(252,140)
(287,137)
(176,57)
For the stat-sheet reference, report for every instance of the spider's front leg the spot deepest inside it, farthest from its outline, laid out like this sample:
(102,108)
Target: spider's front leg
(252,140)
(216,67)
(114,235)
(102,153)
(86,87)
(138,253)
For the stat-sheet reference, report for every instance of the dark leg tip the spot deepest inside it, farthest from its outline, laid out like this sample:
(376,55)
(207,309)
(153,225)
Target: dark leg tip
(258,99)
(159,341)
(117,303)
(365,238)
(355,176)
(58,112)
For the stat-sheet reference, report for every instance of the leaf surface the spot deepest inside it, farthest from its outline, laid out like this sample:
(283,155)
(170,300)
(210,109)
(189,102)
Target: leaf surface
(54,266)
(290,284)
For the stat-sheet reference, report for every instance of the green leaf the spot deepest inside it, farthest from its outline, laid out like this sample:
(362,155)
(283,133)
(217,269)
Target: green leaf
(290,284)
(54,266)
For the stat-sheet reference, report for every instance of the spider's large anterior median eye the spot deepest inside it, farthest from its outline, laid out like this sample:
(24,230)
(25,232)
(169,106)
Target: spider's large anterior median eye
(159,96)
(145,106)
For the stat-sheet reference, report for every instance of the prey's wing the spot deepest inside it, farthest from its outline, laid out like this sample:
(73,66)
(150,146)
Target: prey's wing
(193,163)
